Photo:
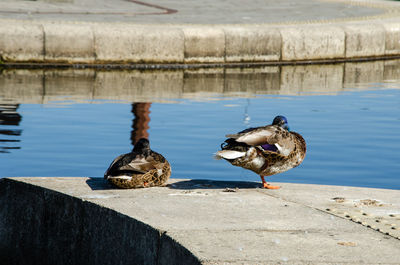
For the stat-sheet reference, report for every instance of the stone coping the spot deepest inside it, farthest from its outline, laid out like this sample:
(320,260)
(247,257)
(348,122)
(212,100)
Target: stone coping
(86,221)
(97,43)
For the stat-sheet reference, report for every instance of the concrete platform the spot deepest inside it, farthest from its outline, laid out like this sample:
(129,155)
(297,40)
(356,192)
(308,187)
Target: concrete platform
(86,221)
(192,33)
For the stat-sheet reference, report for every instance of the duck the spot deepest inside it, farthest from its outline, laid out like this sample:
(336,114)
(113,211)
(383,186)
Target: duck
(140,168)
(265,150)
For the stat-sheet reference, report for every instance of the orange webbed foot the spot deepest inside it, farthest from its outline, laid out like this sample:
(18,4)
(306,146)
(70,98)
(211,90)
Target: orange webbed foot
(271,187)
(268,186)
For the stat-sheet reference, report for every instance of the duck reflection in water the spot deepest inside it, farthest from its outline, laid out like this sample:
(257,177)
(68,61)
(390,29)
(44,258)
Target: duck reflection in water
(142,167)
(9,117)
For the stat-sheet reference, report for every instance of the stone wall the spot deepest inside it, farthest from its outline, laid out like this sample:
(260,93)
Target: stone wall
(41,226)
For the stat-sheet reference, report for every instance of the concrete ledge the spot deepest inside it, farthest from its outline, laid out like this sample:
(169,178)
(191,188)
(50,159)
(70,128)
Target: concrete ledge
(86,221)
(366,40)
(204,44)
(310,43)
(392,38)
(106,43)
(252,44)
(21,42)
(69,43)
(133,44)
(41,226)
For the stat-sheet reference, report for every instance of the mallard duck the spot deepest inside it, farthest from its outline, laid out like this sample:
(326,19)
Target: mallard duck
(266,150)
(138,169)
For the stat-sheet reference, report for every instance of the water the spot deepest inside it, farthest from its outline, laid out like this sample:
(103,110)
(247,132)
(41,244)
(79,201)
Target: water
(352,129)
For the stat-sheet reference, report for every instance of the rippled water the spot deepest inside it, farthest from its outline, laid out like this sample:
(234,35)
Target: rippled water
(352,133)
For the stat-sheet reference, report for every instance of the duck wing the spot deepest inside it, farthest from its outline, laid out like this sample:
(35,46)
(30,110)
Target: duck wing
(132,162)
(267,135)
(157,160)
(257,136)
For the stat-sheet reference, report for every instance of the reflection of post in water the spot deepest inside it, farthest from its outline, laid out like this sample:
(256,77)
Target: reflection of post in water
(9,117)
(140,122)
(246,119)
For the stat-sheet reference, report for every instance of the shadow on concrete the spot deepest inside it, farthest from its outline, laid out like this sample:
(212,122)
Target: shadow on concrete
(99,184)
(55,228)
(212,184)
(102,184)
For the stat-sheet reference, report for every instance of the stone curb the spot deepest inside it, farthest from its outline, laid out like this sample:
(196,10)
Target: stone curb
(59,229)
(71,220)
(107,43)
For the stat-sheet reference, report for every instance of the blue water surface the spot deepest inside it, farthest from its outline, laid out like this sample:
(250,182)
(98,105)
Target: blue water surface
(353,138)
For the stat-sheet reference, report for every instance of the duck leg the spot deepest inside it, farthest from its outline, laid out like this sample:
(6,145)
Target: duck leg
(268,186)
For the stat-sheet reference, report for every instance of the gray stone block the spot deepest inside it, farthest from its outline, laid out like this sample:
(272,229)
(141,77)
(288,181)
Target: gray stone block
(312,42)
(69,43)
(392,38)
(252,44)
(126,43)
(364,40)
(21,42)
(204,45)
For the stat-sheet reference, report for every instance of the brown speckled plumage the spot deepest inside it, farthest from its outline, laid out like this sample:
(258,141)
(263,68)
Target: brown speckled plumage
(139,169)
(266,150)
(275,162)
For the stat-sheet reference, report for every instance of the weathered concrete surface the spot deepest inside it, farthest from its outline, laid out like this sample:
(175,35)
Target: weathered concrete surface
(69,43)
(365,40)
(149,44)
(21,42)
(204,44)
(41,226)
(207,12)
(308,43)
(189,32)
(86,85)
(217,222)
(252,44)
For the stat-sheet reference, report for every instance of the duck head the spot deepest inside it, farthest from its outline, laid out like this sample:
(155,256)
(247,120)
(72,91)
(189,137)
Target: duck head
(281,121)
(142,146)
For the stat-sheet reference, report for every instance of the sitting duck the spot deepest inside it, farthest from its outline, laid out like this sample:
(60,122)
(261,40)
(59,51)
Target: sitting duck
(138,169)
(266,150)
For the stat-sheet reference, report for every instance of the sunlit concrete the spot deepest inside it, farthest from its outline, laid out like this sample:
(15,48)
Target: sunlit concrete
(192,32)
(196,221)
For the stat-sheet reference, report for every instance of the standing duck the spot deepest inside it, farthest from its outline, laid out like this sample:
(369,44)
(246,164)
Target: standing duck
(266,150)
(138,169)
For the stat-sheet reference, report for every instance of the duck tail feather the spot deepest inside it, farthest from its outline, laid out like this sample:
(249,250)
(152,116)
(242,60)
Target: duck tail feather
(229,154)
